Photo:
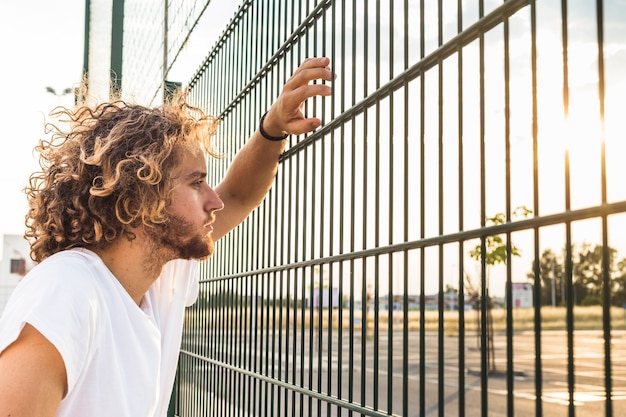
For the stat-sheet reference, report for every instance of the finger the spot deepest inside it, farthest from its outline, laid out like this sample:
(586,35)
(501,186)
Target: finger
(310,69)
(307,63)
(313,63)
(295,98)
(298,127)
(305,76)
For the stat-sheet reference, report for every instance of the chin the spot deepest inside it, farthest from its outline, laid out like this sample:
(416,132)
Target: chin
(199,249)
(181,239)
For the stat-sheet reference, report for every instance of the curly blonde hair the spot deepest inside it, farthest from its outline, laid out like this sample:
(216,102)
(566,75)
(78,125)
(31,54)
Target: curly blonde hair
(108,172)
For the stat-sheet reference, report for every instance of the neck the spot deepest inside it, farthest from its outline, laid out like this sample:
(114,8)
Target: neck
(134,265)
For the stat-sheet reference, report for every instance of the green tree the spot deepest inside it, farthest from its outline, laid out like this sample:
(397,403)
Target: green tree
(618,294)
(551,270)
(587,270)
(495,253)
(587,276)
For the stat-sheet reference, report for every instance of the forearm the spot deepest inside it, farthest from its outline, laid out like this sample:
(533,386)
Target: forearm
(251,173)
(247,181)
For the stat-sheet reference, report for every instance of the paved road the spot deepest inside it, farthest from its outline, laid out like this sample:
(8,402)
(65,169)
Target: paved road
(348,373)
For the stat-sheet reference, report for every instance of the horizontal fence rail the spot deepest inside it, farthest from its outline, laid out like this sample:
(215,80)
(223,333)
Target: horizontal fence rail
(449,242)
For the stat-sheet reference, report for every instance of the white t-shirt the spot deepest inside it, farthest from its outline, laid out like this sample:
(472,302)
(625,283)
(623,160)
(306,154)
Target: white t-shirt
(120,358)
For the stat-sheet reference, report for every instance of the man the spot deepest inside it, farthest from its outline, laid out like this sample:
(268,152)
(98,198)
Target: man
(119,216)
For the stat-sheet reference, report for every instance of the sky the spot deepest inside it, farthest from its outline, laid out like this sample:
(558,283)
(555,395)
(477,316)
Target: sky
(41,45)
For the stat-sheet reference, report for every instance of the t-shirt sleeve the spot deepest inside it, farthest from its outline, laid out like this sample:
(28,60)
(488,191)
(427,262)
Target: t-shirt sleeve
(182,276)
(59,302)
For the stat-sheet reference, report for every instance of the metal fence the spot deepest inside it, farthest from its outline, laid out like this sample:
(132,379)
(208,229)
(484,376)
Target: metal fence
(469,148)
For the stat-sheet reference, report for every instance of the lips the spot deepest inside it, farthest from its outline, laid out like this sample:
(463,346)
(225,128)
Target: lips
(209,224)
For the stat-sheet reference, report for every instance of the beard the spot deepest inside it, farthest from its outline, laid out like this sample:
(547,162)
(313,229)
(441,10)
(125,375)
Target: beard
(181,240)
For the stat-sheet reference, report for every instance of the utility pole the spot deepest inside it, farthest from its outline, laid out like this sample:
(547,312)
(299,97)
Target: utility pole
(553,285)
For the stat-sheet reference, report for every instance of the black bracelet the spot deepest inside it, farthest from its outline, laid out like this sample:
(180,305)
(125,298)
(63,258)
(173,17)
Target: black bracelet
(264,133)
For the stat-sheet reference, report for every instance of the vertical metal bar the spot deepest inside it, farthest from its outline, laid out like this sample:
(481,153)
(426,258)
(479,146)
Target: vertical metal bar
(311,324)
(237,68)
(255,339)
(283,328)
(331,217)
(405,222)
(216,336)
(484,291)
(248,259)
(461,282)
(265,300)
(287,204)
(391,354)
(320,45)
(222,307)
(240,332)
(288,210)
(441,301)
(212,296)
(272,88)
(508,285)
(303,170)
(166,10)
(352,274)
(314,342)
(232,349)
(341,64)
(87,42)
(377,214)
(352,210)
(310,295)
(241,304)
(276,301)
(245,290)
(117,45)
(537,284)
(606,250)
(294,166)
(231,244)
(364,290)
(227,59)
(252,338)
(422,290)
(264,240)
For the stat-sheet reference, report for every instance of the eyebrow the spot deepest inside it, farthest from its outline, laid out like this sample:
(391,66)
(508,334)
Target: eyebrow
(196,174)
(191,175)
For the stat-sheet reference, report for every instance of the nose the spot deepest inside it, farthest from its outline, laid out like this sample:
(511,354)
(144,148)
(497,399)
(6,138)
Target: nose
(214,202)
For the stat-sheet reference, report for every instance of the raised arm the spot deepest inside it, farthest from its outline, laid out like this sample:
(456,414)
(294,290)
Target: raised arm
(252,171)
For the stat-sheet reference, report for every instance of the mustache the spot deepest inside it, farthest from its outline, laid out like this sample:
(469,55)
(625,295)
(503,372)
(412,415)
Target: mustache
(210,219)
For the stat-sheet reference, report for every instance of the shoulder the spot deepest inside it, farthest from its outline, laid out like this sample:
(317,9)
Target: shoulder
(65,275)
(60,289)
(60,298)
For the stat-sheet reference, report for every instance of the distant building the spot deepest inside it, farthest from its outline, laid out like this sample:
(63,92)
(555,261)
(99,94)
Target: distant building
(325,298)
(14,265)
(431,302)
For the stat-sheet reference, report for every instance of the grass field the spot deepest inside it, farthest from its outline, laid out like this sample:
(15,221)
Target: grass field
(552,318)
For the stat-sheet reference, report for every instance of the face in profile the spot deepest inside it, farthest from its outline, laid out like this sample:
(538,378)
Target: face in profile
(187,234)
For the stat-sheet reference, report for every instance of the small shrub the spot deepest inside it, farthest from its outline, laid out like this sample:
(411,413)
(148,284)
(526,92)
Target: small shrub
(591,300)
